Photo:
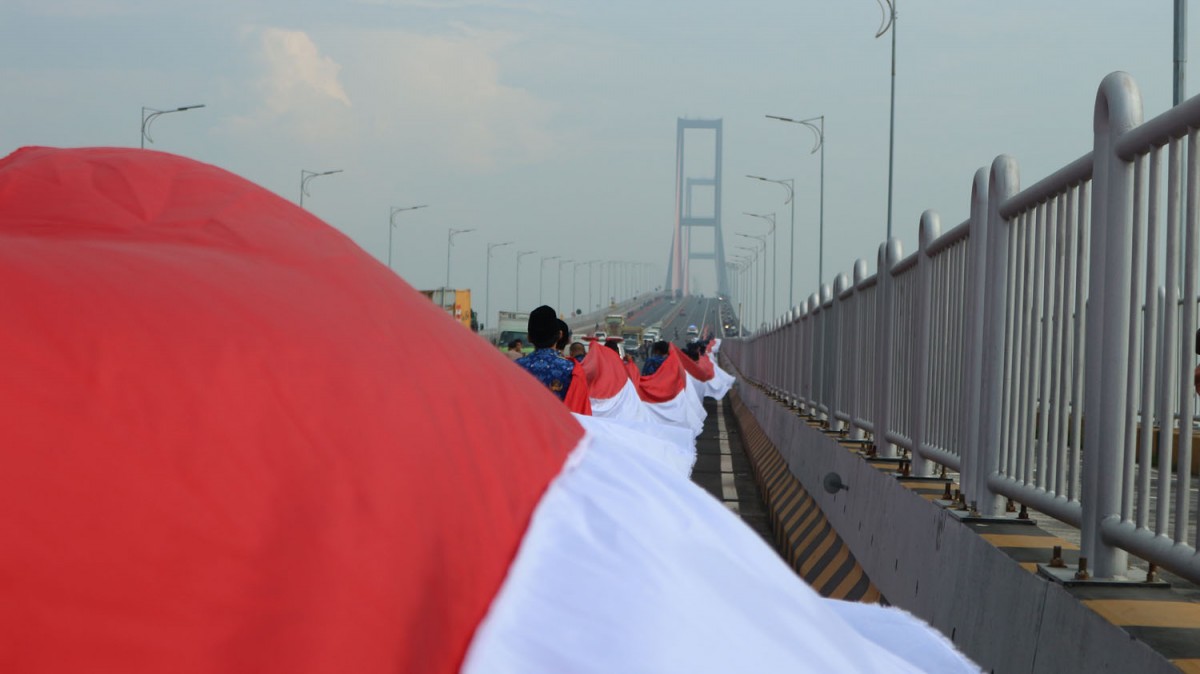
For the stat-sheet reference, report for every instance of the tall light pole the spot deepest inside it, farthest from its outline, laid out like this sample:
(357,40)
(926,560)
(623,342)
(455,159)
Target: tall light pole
(487,282)
(742,297)
(154,113)
(748,292)
(790,185)
(520,255)
(541,274)
(589,264)
(739,264)
(450,244)
(751,291)
(889,23)
(561,262)
(1180,50)
(819,131)
(306,176)
(769,218)
(762,238)
(574,284)
(392,225)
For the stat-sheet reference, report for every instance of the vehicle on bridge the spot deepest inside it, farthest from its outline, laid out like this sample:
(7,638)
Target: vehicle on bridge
(633,339)
(457,303)
(693,331)
(614,323)
(513,325)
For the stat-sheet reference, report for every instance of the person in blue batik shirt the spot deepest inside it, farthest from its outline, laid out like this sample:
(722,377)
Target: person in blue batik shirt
(658,354)
(578,352)
(545,363)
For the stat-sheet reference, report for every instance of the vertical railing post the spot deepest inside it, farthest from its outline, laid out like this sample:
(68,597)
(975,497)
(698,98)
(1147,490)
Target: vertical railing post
(1106,354)
(1003,183)
(843,351)
(809,355)
(858,334)
(803,361)
(774,359)
(828,348)
(974,478)
(918,393)
(785,364)
(794,332)
(889,253)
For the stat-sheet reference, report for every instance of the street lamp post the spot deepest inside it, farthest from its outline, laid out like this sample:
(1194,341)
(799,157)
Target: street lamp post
(790,184)
(487,282)
(306,176)
(1180,75)
(762,238)
(740,265)
(750,292)
(148,119)
(889,23)
(450,244)
(741,316)
(819,145)
(392,225)
(590,274)
(770,219)
(520,255)
(574,284)
(541,274)
(561,262)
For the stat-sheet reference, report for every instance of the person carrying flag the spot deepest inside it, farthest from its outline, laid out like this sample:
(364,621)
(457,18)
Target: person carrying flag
(658,354)
(564,377)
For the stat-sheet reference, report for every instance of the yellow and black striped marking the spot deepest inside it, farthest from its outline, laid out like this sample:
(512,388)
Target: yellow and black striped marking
(1026,544)
(1164,619)
(802,534)
(930,490)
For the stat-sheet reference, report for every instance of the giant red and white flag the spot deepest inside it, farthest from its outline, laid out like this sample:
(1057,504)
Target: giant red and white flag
(721,381)
(614,396)
(219,457)
(669,396)
(613,393)
(699,374)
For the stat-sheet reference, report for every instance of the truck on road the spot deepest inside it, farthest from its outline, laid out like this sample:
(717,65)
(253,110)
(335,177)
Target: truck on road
(614,323)
(513,325)
(457,303)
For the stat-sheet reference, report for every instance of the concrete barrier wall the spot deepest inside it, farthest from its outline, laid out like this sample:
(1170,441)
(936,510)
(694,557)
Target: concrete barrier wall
(927,562)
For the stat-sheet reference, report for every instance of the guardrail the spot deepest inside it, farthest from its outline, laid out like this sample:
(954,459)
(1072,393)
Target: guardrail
(988,348)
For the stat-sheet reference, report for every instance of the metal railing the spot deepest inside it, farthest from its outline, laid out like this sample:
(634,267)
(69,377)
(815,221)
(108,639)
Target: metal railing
(1030,348)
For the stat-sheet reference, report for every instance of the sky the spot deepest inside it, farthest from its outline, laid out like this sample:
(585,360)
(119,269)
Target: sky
(551,123)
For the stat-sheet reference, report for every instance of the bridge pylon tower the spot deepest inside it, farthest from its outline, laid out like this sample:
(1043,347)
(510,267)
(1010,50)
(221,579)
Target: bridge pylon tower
(694,212)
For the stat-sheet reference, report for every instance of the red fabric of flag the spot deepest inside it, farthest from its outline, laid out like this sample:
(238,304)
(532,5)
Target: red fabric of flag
(578,398)
(701,369)
(222,452)
(606,373)
(665,383)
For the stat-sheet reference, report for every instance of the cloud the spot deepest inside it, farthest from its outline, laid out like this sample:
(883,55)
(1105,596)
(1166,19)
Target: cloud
(444,96)
(298,88)
(295,69)
(437,99)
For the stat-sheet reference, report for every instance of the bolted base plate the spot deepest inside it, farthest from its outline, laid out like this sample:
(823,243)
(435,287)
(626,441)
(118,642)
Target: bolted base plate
(1065,576)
